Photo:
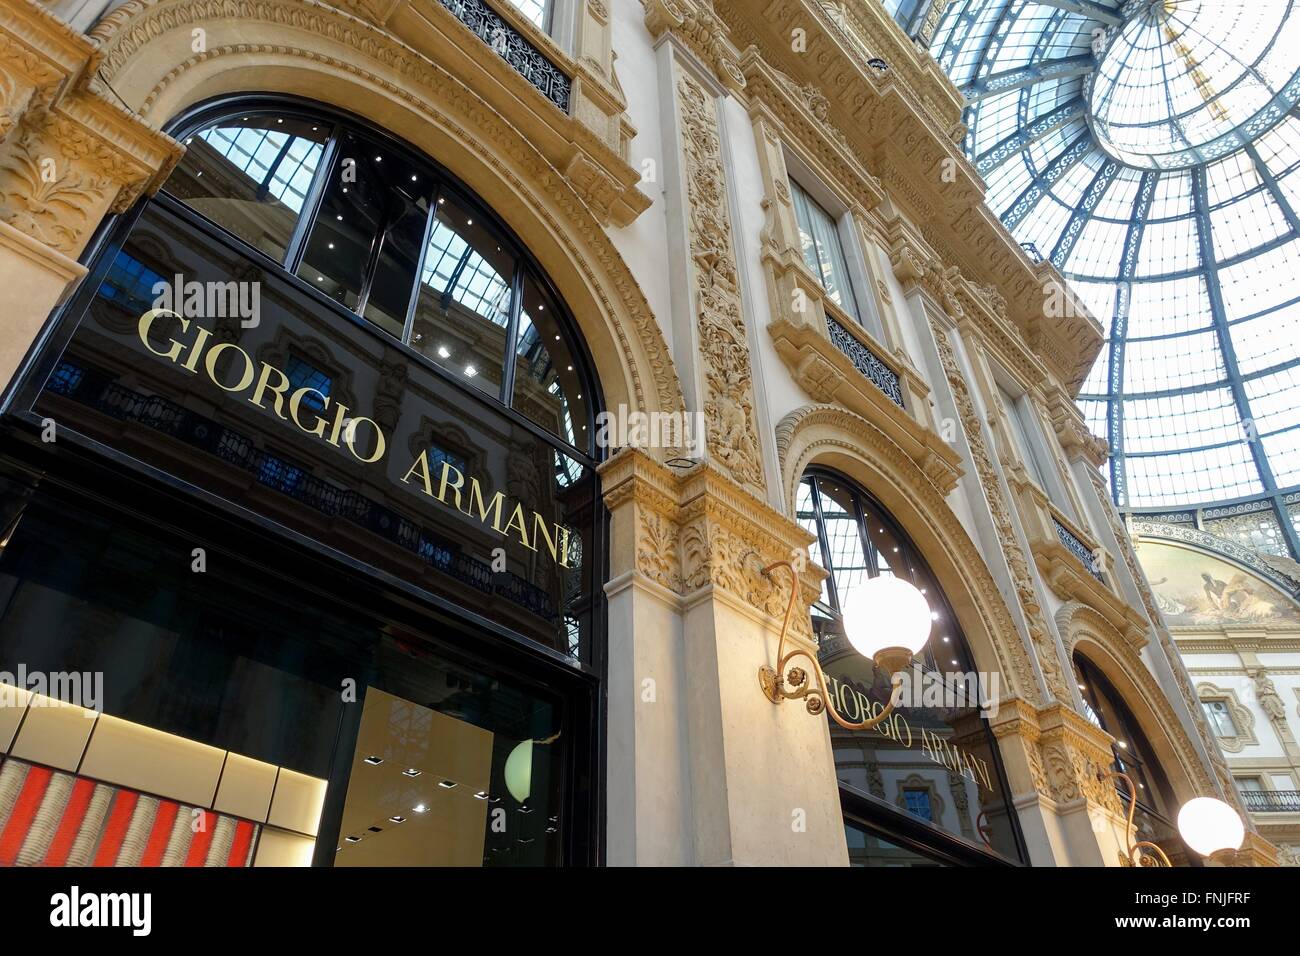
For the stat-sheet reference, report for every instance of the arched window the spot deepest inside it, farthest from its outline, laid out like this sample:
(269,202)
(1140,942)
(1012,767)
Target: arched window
(926,785)
(1134,756)
(444,401)
(323,499)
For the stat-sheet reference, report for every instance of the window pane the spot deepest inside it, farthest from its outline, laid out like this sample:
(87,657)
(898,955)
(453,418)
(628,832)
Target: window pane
(807,516)
(352,215)
(548,386)
(1020,435)
(399,255)
(463,307)
(849,564)
(251,176)
(539,11)
(822,250)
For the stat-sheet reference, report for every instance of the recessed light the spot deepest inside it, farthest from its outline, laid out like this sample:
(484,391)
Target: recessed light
(441,201)
(447,784)
(353,839)
(339,218)
(570,368)
(525,809)
(579,396)
(954,663)
(411,772)
(313,129)
(934,615)
(551,830)
(396,819)
(189,140)
(557,338)
(442,352)
(412,179)
(320,278)
(470,371)
(373,760)
(198,174)
(1122,744)
(331,245)
(541,308)
(945,640)
(279,121)
(379,159)
(345,188)
(419,808)
(481,795)
(469,222)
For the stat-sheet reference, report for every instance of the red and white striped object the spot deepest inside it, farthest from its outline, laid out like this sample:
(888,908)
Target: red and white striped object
(52,818)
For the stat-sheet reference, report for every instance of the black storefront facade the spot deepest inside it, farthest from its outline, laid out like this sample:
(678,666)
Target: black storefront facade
(305,471)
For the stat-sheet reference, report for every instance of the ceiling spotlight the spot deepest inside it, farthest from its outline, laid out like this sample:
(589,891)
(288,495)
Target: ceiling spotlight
(442,352)
(410,772)
(481,795)
(353,839)
(396,819)
(469,222)
(447,784)
(1121,743)
(372,759)
(419,808)
(470,371)
(331,245)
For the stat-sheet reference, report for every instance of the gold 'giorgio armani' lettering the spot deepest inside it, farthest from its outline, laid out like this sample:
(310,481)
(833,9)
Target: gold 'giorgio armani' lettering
(453,484)
(232,369)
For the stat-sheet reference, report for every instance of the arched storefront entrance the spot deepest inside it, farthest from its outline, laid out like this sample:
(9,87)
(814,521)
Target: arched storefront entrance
(927,786)
(320,510)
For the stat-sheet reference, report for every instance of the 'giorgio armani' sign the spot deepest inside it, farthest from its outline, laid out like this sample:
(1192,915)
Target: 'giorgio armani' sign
(262,384)
(314,419)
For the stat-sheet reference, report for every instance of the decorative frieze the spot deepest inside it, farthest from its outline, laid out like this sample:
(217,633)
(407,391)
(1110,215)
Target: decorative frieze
(723,346)
(987,471)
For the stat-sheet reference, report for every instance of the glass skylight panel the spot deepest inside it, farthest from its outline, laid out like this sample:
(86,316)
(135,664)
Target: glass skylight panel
(1272,400)
(1158,365)
(1172,197)
(1204,475)
(1251,287)
(1283,450)
(1267,340)
(1169,307)
(1098,251)
(1246,224)
(1099,297)
(1044,227)
(1168,246)
(1177,422)
(1097,382)
(1094,415)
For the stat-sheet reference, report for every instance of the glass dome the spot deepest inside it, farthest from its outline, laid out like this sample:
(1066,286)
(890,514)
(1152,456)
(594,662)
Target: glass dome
(1150,151)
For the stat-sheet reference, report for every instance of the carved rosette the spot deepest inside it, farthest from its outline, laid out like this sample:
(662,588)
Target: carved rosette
(1044,646)
(724,349)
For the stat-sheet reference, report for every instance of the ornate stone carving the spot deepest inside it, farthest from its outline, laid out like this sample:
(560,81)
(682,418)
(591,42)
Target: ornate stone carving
(1242,718)
(815,431)
(700,530)
(697,25)
(724,349)
(1043,643)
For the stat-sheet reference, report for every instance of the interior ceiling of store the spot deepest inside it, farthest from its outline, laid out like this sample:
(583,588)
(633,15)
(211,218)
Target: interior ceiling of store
(1151,150)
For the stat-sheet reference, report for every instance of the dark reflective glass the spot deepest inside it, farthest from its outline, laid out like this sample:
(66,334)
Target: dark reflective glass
(548,379)
(934,757)
(252,175)
(453,489)
(353,215)
(868,849)
(251,663)
(462,311)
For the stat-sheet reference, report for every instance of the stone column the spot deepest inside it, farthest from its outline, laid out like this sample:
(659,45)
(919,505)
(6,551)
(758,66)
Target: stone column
(703,769)
(69,156)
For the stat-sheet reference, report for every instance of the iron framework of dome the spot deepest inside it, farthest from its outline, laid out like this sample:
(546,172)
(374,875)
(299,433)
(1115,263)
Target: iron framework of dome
(1151,150)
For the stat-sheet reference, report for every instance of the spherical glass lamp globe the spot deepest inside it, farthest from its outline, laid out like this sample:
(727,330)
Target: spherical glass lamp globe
(886,619)
(1210,826)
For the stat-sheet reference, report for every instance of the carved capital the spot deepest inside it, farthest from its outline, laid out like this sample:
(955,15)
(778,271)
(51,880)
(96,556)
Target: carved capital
(695,24)
(689,531)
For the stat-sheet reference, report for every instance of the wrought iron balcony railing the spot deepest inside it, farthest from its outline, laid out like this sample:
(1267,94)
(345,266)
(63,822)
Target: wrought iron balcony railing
(1272,801)
(513,47)
(866,361)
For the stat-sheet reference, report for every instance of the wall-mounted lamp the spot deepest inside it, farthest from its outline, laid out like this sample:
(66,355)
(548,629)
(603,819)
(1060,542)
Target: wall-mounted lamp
(885,618)
(1209,826)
